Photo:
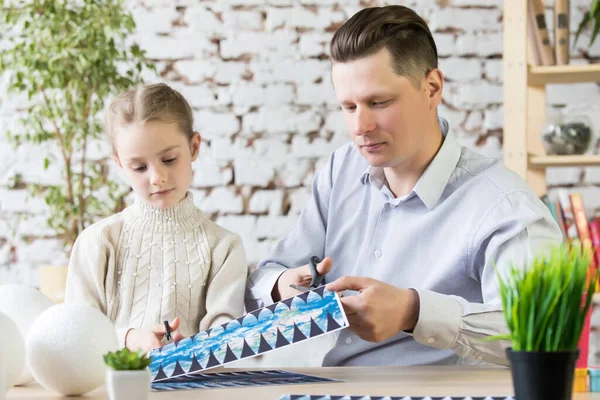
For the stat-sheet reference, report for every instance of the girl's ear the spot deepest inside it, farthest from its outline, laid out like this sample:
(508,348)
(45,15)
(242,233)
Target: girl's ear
(116,160)
(195,145)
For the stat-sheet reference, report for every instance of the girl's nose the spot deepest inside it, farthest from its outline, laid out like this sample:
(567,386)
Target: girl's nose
(159,176)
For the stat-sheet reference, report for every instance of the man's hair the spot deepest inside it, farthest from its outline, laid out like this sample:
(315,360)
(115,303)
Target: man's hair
(154,102)
(398,29)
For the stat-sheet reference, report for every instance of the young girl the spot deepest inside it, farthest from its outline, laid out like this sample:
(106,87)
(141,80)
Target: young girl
(160,259)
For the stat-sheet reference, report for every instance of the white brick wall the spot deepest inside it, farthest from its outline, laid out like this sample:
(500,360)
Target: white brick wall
(256,75)
(462,69)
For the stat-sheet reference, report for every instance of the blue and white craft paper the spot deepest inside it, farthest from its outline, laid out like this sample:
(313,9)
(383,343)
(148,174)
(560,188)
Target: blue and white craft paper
(237,379)
(305,316)
(354,397)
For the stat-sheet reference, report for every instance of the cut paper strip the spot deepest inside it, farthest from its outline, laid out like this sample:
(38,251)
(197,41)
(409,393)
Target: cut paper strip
(355,397)
(308,315)
(236,379)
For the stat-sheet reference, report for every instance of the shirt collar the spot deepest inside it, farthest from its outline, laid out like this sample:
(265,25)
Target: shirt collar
(431,184)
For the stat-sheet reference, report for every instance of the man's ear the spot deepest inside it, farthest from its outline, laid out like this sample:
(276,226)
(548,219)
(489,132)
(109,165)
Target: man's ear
(434,86)
(195,145)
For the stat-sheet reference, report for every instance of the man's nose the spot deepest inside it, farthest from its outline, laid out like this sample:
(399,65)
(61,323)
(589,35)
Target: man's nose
(364,121)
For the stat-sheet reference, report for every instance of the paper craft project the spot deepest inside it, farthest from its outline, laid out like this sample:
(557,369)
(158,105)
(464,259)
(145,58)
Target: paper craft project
(236,379)
(305,316)
(354,397)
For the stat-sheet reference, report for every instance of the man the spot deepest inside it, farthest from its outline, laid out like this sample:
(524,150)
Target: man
(410,222)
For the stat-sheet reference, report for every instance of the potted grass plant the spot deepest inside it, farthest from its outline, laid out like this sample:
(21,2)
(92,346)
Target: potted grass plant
(590,18)
(67,58)
(127,375)
(545,304)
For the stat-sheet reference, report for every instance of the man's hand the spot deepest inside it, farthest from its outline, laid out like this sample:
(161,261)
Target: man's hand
(300,276)
(146,339)
(380,310)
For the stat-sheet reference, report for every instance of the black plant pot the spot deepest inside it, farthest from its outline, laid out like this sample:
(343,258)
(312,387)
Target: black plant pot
(542,375)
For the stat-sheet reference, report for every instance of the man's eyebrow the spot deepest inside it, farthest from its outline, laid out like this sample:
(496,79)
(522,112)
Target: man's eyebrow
(370,97)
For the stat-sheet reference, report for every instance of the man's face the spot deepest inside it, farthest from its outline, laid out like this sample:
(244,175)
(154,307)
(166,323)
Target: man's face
(387,116)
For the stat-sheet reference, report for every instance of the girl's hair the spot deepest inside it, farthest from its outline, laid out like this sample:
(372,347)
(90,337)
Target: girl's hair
(156,102)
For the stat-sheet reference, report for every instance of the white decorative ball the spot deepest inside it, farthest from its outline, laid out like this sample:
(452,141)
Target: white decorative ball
(65,348)
(12,351)
(23,304)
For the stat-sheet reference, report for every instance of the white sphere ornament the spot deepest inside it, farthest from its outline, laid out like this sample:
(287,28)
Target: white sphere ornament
(66,345)
(12,351)
(23,304)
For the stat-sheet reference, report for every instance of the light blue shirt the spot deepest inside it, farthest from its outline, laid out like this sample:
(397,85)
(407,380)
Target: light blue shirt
(465,213)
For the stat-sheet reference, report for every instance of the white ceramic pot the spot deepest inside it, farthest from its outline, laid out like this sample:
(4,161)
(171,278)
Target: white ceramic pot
(2,383)
(126,385)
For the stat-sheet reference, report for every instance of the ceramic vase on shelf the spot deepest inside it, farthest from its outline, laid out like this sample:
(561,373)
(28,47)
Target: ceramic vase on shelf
(127,384)
(569,133)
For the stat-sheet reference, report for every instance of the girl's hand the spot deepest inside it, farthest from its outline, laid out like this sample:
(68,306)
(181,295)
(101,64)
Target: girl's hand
(159,330)
(146,339)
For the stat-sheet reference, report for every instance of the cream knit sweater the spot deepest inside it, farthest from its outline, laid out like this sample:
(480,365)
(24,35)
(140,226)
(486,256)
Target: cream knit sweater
(146,265)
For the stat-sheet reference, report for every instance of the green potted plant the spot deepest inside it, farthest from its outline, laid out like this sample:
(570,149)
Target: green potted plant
(545,304)
(592,17)
(127,375)
(69,57)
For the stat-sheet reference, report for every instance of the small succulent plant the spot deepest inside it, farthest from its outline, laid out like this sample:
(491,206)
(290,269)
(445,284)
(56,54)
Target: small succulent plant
(126,360)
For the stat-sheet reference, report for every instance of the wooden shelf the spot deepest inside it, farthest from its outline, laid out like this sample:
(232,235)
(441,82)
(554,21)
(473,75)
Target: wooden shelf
(542,75)
(526,99)
(564,161)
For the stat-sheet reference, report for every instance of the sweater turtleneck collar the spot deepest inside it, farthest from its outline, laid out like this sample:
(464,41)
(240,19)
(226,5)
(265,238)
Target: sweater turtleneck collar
(182,216)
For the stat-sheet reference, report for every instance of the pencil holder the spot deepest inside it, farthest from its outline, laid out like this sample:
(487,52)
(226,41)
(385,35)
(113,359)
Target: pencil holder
(594,379)
(580,382)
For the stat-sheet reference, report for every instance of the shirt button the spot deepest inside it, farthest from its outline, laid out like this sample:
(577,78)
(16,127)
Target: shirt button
(349,341)
(431,340)
(377,253)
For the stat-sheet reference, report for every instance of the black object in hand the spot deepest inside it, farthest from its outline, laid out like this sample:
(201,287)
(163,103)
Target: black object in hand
(167,330)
